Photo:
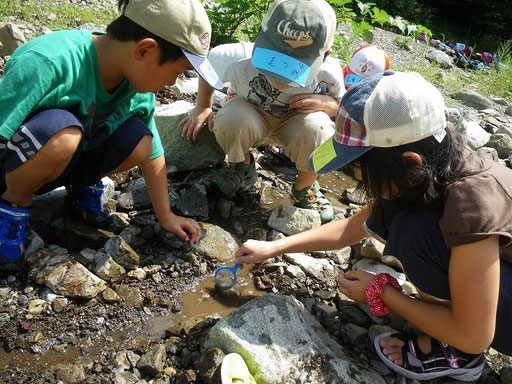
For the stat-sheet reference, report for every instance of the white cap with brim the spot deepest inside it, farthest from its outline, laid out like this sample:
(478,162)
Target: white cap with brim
(204,69)
(385,110)
(294,37)
(181,22)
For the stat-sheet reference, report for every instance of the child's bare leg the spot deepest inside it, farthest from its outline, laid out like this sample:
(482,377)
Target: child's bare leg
(46,165)
(304,179)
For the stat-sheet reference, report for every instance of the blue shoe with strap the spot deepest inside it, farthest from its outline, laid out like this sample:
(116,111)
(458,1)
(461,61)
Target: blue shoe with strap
(88,203)
(13,223)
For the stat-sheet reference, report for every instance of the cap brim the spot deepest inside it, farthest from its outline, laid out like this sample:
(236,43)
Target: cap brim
(278,65)
(332,155)
(204,69)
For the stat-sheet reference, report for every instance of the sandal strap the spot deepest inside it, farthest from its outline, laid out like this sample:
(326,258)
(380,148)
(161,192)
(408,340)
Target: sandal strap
(441,357)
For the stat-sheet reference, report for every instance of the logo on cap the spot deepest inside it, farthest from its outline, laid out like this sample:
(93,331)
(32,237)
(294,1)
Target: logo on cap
(205,40)
(300,38)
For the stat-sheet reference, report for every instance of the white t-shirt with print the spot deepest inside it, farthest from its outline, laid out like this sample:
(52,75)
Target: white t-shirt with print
(233,65)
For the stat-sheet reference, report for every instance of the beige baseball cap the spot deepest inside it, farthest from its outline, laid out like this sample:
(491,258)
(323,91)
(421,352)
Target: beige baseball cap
(180,22)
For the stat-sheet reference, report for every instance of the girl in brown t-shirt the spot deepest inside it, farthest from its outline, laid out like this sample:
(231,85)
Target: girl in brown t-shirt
(445,214)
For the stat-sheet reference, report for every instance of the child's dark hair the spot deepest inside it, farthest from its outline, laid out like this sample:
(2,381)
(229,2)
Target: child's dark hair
(385,169)
(124,29)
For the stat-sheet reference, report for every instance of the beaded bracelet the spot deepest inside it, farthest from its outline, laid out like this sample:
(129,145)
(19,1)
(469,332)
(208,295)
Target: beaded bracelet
(374,290)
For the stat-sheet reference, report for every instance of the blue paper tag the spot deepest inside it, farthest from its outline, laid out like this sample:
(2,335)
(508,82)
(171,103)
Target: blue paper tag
(281,64)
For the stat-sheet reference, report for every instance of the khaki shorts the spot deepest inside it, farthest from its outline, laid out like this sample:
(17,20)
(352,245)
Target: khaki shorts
(240,125)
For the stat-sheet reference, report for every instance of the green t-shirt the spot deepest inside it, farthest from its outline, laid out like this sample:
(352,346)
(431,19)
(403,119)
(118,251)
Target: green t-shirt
(60,70)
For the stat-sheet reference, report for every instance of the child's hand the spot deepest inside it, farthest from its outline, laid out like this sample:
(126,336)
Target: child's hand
(313,102)
(354,283)
(191,125)
(186,229)
(254,251)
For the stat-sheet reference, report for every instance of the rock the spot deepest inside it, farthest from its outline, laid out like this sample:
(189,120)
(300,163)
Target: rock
(4,319)
(325,311)
(59,304)
(136,196)
(499,100)
(375,267)
(130,233)
(138,273)
(11,37)
(354,195)
(76,236)
(110,296)
(440,57)
(182,154)
(508,111)
(107,269)
(122,253)
(488,153)
(490,112)
(63,275)
(126,378)
(340,256)
(120,221)
(291,220)
(473,99)
(216,244)
(372,249)
(131,295)
(320,269)
(355,333)
(193,202)
(70,373)
(185,86)
(152,362)
(353,314)
(49,206)
(208,364)
(476,136)
(296,272)
(36,306)
(283,349)
(502,143)
(35,243)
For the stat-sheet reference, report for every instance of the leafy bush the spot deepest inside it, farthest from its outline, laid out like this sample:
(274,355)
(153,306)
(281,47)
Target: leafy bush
(234,20)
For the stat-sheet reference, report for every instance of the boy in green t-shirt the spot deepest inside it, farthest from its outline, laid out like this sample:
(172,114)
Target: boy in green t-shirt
(79,105)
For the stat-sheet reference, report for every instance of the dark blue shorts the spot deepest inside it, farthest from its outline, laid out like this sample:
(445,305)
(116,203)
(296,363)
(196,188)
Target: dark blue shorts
(86,167)
(416,240)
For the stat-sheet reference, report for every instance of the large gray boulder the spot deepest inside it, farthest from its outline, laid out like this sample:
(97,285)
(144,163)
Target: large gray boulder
(281,342)
(181,154)
(473,99)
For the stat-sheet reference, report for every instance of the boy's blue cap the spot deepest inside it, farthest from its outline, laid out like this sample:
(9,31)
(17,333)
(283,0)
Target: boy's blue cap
(385,110)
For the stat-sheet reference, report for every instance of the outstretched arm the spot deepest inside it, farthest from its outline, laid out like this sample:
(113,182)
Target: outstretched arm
(155,175)
(334,235)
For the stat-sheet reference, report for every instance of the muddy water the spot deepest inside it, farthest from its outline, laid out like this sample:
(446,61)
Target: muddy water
(199,303)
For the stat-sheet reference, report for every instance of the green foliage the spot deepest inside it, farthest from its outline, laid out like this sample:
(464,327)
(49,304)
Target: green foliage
(342,49)
(504,51)
(403,42)
(234,20)
(65,16)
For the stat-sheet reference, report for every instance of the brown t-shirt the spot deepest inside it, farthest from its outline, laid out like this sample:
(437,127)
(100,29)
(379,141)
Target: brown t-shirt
(479,205)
